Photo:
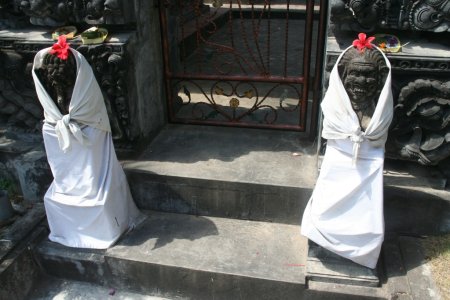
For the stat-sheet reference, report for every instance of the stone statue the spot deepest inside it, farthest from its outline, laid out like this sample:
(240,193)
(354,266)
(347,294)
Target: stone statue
(345,211)
(58,77)
(89,204)
(363,76)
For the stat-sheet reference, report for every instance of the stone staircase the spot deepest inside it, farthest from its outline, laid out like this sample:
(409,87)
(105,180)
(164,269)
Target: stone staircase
(223,208)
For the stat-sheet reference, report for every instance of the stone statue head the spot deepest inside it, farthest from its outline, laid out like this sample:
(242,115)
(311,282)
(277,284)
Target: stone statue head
(363,74)
(58,77)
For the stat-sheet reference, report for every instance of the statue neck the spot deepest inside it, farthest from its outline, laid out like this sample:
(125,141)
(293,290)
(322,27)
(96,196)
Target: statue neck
(363,106)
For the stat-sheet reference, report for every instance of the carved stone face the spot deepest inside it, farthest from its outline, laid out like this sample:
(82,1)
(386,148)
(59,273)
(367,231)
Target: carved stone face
(58,77)
(361,80)
(363,75)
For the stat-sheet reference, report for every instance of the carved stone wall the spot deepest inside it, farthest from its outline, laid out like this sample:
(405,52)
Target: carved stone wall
(371,15)
(17,13)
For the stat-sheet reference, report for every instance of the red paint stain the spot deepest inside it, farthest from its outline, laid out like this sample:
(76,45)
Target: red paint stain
(295,265)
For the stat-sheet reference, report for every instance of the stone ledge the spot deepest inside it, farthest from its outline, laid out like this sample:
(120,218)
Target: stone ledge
(195,257)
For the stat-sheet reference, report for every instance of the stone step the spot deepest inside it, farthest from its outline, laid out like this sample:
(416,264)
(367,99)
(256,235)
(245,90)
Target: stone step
(260,175)
(49,288)
(174,255)
(178,256)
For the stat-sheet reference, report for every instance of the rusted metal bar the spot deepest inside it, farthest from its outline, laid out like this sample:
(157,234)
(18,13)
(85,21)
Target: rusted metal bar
(241,124)
(319,65)
(306,60)
(273,79)
(268,38)
(286,39)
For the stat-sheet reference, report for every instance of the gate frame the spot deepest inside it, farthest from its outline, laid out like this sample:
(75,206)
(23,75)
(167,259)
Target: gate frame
(303,80)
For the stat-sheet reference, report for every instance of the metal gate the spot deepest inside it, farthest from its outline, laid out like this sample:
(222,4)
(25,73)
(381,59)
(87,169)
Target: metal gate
(242,63)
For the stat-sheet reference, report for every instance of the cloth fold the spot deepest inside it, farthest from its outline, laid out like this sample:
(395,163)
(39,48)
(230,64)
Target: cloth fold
(345,211)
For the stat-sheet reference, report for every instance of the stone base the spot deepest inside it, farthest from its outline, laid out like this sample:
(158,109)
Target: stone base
(24,167)
(325,266)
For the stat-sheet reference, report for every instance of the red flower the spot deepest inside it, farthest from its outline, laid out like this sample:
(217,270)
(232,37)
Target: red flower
(363,42)
(61,48)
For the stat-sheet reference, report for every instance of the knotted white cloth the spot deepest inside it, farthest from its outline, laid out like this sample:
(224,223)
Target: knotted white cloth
(345,211)
(88,204)
(86,106)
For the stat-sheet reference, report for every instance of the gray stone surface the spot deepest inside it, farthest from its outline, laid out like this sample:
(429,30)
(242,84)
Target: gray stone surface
(171,255)
(325,266)
(336,291)
(416,210)
(13,234)
(23,163)
(417,270)
(409,174)
(397,284)
(187,257)
(34,174)
(230,154)
(54,288)
(18,269)
(406,276)
(148,100)
(226,172)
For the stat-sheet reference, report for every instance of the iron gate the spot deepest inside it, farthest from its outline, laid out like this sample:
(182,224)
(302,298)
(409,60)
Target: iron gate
(242,63)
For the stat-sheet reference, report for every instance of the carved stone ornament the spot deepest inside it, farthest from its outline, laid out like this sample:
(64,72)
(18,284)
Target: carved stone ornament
(19,107)
(369,15)
(61,12)
(110,70)
(420,131)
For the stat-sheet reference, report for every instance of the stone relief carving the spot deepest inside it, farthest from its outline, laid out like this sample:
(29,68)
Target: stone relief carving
(110,70)
(60,12)
(420,131)
(19,108)
(368,15)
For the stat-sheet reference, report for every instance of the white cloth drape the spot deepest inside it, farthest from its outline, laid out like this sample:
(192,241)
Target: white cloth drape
(345,211)
(88,204)
(86,105)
